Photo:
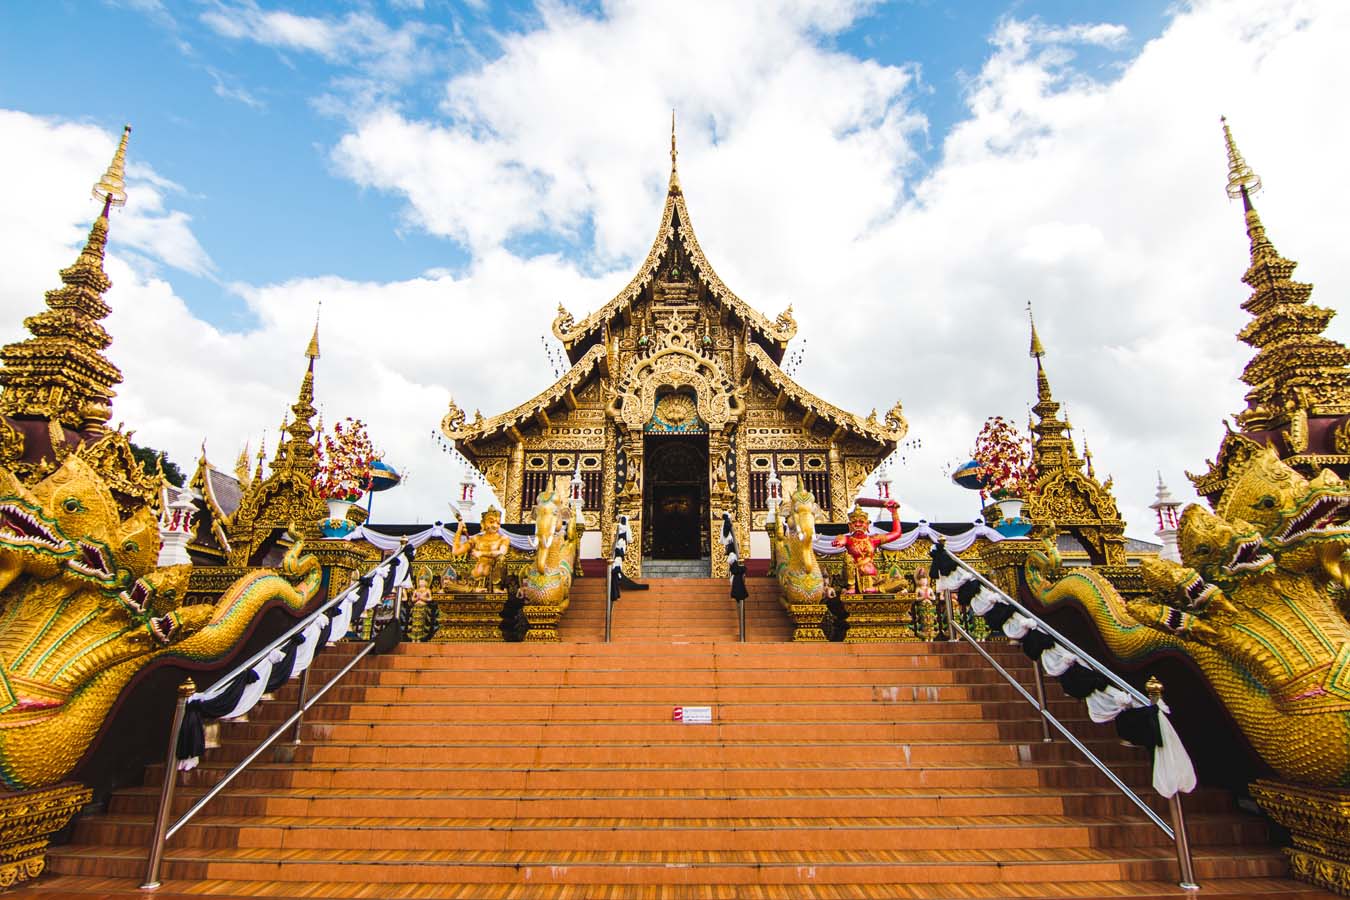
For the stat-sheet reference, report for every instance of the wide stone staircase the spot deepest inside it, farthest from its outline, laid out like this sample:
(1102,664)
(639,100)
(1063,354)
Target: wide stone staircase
(558,771)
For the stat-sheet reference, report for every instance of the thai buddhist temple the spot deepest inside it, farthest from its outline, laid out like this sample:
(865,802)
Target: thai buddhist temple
(674,411)
(698,653)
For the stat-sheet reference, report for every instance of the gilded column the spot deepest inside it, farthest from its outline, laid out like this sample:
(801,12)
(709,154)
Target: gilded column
(515,479)
(630,501)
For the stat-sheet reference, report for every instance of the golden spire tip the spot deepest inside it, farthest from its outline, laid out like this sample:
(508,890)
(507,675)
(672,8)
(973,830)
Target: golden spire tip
(312,351)
(673,151)
(1242,181)
(1037,348)
(112,188)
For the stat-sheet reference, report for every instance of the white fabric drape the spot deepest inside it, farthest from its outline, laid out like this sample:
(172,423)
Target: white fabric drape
(249,698)
(1172,768)
(956,543)
(438,531)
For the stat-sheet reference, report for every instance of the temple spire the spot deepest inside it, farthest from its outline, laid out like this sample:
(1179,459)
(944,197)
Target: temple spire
(1051,446)
(1296,371)
(297,450)
(1244,183)
(111,188)
(674,173)
(60,372)
(312,351)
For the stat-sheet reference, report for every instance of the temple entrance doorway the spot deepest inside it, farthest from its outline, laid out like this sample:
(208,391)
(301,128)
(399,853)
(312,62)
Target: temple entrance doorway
(675,497)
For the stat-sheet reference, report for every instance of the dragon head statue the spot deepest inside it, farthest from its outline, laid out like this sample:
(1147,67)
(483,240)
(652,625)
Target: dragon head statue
(83,608)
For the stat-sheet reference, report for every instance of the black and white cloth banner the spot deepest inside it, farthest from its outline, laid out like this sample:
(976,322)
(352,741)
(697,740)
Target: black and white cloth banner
(288,657)
(1143,725)
(735,567)
(621,536)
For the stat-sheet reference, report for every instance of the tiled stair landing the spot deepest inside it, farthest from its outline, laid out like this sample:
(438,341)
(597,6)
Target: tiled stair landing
(536,771)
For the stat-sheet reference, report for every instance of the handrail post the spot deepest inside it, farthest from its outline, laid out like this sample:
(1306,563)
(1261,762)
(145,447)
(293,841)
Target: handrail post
(740,609)
(951,622)
(185,690)
(1040,701)
(609,598)
(1154,687)
(300,705)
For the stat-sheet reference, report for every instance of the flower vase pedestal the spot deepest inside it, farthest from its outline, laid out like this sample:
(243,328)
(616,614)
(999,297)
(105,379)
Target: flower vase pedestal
(336,525)
(1011,522)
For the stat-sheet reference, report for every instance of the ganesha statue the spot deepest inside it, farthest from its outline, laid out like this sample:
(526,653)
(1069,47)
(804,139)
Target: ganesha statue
(804,587)
(546,585)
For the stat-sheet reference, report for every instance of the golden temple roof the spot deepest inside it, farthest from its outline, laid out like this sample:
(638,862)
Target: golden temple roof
(675,226)
(455,425)
(892,428)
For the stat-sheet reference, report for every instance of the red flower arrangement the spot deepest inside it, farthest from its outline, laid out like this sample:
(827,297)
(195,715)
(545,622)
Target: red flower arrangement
(1005,457)
(344,459)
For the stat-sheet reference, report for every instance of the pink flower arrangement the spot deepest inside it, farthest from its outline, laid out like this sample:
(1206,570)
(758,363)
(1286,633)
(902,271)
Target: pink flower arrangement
(1004,455)
(344,458)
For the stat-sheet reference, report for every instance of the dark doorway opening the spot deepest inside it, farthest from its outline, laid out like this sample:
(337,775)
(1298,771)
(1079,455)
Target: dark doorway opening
(675,497)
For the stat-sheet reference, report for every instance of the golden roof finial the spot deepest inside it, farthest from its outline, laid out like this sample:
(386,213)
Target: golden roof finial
(1087,457)
(1241,179)
(674,174)
(112,188)
(1037,348)
(1243,182)
(241,466)
(312,351)
(262,454)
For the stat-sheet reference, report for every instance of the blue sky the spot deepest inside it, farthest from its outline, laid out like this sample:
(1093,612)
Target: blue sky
(907,175)
(248,129)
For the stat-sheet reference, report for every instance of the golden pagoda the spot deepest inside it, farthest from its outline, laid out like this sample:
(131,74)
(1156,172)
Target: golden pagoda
(1065,498)
(1299,380)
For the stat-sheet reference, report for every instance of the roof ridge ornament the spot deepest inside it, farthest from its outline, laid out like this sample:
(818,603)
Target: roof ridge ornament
(674,173)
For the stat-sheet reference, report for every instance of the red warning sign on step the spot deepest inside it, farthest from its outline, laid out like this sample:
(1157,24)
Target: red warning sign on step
(692,715)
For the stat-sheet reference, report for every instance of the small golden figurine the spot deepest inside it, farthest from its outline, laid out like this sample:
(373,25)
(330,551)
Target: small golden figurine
(925,605)
(421,594)
(488,549)
(419,625)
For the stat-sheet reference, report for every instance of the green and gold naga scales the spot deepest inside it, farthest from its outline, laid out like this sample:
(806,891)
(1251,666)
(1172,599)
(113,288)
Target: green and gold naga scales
(1257,604)
(82,610)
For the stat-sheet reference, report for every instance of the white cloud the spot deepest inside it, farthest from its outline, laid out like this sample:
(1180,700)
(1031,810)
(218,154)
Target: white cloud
(1100,201)
(390,56)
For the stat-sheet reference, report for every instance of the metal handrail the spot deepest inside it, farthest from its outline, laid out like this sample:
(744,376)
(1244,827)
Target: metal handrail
(1177,830)
(1060,639)
(163,830)
(1059,726)
(295,629)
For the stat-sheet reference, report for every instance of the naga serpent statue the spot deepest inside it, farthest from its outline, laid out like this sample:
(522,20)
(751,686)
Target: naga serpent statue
(547,584)
(82,610)
(1254,605)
